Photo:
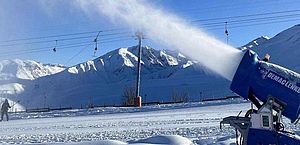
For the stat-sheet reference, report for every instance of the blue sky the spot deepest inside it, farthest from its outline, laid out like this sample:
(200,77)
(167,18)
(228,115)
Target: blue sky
(40,18)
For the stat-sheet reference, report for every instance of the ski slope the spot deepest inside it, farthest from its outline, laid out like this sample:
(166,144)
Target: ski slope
(199,122)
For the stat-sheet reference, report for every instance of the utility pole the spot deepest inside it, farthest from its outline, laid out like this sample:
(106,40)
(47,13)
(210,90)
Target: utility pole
(138,101)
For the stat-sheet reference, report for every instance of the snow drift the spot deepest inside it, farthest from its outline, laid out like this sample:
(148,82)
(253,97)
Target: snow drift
(154,140)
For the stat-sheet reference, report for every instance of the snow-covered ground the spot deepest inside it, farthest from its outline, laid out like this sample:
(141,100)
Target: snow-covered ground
(199,122)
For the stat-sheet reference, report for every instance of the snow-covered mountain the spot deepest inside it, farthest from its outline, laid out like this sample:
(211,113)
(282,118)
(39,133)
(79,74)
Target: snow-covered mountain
(102,81)
(15,75)
(120,65)
(284,48)
(256,42)
(26,69)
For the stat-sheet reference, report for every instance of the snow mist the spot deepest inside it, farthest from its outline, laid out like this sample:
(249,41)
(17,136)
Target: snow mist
(172,31)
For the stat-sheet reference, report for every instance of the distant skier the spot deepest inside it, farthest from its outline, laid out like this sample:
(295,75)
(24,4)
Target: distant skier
(4,109)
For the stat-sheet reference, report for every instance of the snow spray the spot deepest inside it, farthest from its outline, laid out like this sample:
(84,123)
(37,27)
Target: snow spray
(169,30)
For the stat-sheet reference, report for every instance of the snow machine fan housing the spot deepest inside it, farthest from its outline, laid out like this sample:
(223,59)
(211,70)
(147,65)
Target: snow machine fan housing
(265,80)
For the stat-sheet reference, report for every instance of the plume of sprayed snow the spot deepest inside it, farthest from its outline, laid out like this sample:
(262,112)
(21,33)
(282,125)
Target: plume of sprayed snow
(172,31)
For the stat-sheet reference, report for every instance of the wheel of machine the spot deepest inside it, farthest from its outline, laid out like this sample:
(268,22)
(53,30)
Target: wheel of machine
(250,111)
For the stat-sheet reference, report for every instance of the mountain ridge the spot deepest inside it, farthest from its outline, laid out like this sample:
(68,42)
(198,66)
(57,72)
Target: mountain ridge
(102,81)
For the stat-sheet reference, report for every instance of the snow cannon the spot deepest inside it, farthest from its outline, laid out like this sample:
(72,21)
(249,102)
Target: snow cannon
(275,91)
(259,80)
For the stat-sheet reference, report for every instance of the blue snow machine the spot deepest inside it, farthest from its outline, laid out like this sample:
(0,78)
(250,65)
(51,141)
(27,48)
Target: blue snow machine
(275,92)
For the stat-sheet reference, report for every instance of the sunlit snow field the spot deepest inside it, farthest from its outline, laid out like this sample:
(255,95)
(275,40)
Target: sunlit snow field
(199,122)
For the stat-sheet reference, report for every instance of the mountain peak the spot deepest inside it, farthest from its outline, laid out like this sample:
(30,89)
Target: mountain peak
(121,64)
(26,69)
(256,42)
(283,47)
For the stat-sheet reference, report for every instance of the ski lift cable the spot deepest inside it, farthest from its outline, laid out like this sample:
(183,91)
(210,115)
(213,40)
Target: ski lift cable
(113,38)
(254,19)
(37,51)
(63,35)
(116,33)
(63,39)
(70,59)
(116,40)
(234,6)
(109,30)
(40,48)
(65,47)
(215,28)
(48,41)
(236,21)
(253,24)
(249,15)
